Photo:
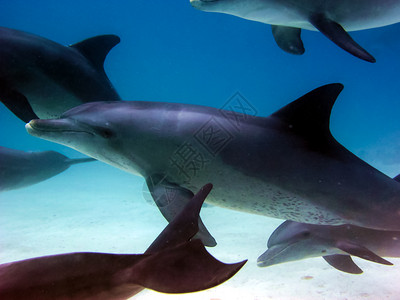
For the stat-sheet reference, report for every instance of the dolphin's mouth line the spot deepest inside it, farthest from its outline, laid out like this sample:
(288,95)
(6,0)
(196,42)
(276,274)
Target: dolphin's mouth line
(34,127)
(262,263)
(203,1)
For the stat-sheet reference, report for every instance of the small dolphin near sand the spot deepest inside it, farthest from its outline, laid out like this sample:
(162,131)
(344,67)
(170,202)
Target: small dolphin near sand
(287,165)
(40,78)
(293,241)
(333,18)
(20,169)
(174,263)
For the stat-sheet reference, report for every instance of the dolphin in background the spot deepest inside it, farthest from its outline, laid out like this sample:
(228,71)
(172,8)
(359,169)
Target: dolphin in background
(174,263)
(20,169)
(333,18)
(41,79)
(293,241)
(287,165)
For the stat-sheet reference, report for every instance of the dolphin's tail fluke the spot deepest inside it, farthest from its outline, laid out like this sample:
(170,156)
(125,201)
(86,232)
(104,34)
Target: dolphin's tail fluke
(80,160)
(176,246)
(197,270)
(174,263)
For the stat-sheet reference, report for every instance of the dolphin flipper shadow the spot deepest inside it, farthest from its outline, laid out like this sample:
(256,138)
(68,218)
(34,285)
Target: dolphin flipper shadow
(172,264)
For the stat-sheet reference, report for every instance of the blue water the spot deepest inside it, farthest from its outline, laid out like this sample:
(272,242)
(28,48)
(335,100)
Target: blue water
(172,52)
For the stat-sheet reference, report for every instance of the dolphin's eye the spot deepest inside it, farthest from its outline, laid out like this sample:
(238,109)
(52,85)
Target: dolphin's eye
(306,234)
(104,132)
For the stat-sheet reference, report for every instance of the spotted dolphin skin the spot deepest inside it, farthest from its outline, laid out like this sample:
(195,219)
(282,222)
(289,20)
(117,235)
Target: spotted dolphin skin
(333,18)
(293,241)
(42,79)
(287,165)
(174,263)
(20,169)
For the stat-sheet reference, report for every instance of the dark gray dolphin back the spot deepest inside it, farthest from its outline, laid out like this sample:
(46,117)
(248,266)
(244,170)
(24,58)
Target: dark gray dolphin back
(41,79)
(20,169)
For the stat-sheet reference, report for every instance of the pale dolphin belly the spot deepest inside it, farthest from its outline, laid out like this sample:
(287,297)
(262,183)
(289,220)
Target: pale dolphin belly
(352,15)
(43,100)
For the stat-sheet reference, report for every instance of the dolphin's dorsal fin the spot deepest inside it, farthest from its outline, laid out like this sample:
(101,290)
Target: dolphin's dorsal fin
(95,49)
(336,33)
(343,263)
(309,115)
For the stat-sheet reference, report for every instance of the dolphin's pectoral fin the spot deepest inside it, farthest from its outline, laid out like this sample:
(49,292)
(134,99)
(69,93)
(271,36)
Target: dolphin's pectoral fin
(16,103)
(336,33)
(95,49)
(361,251)
(343,263)
(288,39)
(309,115)
(170,198)
(186,268)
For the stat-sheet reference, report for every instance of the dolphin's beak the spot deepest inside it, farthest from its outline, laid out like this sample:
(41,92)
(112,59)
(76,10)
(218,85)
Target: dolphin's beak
(38,125)
(53,127)
(200,3)
(274,255)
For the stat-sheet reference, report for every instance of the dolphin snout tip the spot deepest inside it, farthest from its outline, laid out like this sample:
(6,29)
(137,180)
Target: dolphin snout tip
(29,127)
(261,264)
(194,3)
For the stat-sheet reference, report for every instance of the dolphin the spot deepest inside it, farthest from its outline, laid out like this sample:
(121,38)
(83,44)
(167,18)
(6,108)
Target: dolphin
(333,18)
(20,169)
(293,241)
(174,263)
(41,79)
(287,165)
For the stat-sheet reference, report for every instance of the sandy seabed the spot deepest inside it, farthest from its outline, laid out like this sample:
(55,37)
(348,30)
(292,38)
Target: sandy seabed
(95,207)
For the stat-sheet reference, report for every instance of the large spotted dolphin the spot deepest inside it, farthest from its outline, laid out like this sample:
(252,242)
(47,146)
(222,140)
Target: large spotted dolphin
(293,241)
(287,165)
(333,18)
(20,169)
(40,78)
(174,263)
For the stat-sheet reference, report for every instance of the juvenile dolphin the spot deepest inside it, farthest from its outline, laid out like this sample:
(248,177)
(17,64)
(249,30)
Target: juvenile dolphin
(42,79)
(333,18)
(20,169)
(295,241)
(286,165)
(172,264)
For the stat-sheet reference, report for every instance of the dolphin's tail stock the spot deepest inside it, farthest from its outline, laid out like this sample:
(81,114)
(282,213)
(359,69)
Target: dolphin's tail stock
(74,161)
